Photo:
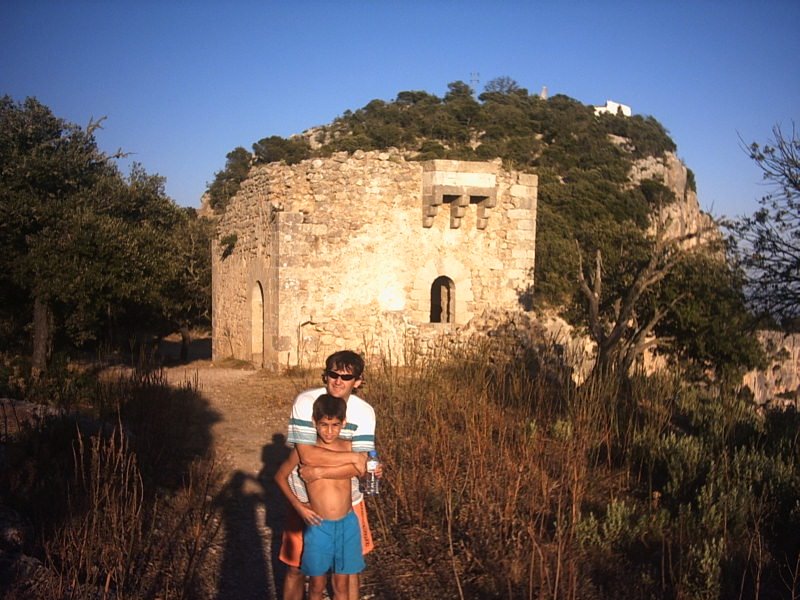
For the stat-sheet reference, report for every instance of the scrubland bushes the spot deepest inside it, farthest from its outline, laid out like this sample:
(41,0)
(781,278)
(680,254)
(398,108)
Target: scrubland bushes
(503,480)
(525,486)
(119,504)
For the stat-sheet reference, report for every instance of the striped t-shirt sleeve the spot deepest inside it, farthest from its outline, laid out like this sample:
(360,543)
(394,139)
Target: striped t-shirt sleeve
(301,427)
(363,416)
(360,426)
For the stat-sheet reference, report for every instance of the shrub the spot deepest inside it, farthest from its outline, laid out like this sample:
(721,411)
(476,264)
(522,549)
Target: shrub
(528,487)
(122,505)
(276,148)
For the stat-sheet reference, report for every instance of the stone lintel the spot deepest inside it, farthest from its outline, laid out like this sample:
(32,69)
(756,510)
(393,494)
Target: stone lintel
(458,197)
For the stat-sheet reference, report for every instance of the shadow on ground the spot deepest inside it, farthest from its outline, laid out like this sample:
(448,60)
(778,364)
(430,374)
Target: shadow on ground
(253,512)
(169,349)
(125,466)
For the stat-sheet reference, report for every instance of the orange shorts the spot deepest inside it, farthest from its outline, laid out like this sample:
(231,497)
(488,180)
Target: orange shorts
(292,540)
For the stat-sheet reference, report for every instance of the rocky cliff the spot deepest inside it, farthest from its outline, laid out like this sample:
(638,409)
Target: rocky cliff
(683,216)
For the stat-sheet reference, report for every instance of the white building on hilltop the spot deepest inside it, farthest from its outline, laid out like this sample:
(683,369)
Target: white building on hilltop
(613,108)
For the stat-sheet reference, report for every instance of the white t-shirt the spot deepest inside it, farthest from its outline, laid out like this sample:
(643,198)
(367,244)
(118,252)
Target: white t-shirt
(359,429)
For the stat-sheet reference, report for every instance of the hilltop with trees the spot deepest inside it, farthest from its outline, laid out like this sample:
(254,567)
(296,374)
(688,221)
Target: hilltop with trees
(598,261)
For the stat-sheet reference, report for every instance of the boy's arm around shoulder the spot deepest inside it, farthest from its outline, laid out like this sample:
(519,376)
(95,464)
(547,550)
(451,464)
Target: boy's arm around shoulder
(281,480)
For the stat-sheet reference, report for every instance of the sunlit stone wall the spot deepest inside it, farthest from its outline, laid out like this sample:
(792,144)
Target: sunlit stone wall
(372,252)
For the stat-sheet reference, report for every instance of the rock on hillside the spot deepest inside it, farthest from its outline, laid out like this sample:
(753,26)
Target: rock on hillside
(684,216)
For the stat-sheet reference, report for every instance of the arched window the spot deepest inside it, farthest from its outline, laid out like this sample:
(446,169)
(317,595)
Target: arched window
(443,300)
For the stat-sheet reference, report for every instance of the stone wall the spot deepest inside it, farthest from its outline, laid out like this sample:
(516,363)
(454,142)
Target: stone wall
(371,252)
(342,253)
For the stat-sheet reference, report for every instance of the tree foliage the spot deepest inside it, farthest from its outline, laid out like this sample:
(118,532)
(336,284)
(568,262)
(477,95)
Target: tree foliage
(226,182)
(709,325)
(767,244)
(662,295)
(89,256)
(505,121)
(501,85)
(276,148)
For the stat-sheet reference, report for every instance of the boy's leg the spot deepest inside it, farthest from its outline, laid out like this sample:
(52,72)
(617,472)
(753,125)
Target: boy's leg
(352,557)
(353,587)
(341,585)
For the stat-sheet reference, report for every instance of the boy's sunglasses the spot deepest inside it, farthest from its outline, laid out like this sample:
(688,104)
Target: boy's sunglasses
(342,376)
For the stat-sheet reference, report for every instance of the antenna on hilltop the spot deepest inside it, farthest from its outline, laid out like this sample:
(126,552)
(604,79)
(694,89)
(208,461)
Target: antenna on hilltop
(474,80)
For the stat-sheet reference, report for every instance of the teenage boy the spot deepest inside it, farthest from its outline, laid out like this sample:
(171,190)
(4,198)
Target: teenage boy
(332,537)
(342,376)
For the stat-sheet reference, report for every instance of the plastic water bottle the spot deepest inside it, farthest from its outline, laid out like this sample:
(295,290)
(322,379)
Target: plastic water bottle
(371,481)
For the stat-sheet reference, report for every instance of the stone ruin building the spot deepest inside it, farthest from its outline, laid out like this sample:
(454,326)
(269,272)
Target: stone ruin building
(387,256)
(368,251)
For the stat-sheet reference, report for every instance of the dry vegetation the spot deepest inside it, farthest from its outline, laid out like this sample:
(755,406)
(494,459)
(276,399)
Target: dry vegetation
(120,504)
(504,480)
(509,482)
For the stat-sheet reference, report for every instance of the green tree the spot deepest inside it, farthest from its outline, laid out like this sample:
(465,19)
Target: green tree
(664,293)
(709,325)
(460,106)
(47,168)
(414,98)
(86,252)
(501,85)
(227,182)
(767,244)
(275,148)
(188,299)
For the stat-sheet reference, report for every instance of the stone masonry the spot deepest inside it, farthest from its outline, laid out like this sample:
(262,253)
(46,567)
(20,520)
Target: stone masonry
(368,251)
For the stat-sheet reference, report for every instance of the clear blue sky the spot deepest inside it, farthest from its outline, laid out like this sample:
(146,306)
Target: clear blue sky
(182,83)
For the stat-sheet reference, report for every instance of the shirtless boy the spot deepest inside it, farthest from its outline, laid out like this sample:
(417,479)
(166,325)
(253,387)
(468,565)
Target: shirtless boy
(332,537)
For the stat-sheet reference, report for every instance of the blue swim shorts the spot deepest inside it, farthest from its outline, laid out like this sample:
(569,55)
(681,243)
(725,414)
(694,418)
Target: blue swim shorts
(333,547)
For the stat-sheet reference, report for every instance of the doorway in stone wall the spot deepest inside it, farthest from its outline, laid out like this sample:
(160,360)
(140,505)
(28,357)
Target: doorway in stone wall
(443,300)
(257,324)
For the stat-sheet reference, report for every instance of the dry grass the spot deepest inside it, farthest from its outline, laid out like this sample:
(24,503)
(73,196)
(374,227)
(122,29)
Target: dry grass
(512,483)
(503,480)
(126,508)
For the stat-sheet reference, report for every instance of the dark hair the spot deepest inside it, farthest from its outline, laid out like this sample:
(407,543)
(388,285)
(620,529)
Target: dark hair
(330,407)
(345,360)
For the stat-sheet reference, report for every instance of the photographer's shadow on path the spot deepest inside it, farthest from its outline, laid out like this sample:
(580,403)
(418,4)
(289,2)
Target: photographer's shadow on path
(253,512)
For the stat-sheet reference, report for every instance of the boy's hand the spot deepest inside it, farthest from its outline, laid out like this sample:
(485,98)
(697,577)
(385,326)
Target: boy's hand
(379,470)
(308,515)
(309,473)
(361,463)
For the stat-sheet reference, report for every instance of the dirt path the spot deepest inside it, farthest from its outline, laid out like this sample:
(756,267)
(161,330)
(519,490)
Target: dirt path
(249,434)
